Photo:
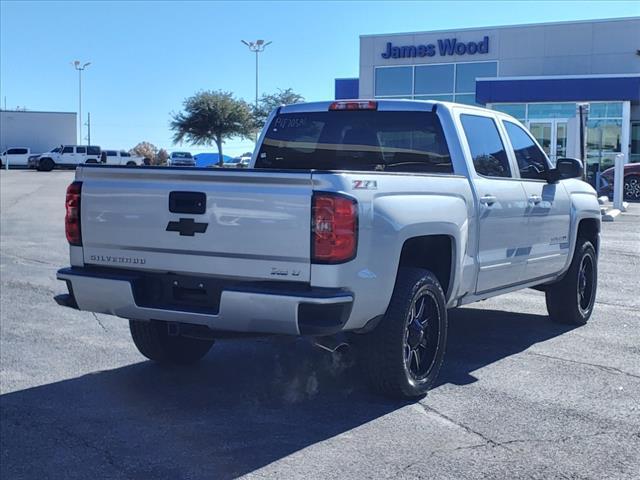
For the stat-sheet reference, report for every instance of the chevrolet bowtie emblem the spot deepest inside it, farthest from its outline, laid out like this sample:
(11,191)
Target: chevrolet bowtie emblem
(187,227)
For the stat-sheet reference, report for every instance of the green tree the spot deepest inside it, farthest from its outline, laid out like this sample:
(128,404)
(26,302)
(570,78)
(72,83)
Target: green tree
(212,117)
(268,102)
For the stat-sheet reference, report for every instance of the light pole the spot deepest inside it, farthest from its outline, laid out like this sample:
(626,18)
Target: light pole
(80,69)
(257,47)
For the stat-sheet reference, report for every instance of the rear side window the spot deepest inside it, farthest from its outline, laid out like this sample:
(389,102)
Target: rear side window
(489,156)
(81,149)
(17,151)
(363,140)
(532,162)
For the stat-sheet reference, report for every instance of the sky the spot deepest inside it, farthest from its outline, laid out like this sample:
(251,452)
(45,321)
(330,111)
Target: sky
(147,57)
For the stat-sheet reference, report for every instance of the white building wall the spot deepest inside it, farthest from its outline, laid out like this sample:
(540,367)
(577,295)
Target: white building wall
(39,131)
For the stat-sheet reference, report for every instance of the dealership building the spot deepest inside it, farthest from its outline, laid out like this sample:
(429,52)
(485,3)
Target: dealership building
(538,73)
(39,131)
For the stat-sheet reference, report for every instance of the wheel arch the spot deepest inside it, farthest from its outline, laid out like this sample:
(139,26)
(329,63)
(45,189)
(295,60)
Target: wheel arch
(589,228)
(436,253)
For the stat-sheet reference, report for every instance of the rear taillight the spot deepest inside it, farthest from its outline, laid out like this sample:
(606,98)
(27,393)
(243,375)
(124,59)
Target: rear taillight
(72,217)
(334,228)
(354,105)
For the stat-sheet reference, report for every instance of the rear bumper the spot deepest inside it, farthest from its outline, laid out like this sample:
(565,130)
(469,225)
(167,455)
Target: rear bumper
(242,308)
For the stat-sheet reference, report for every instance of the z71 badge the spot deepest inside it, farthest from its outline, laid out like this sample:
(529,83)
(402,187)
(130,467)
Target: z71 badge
(364,184)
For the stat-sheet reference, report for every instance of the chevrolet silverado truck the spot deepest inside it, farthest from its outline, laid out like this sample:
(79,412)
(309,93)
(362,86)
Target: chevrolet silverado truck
(363,219)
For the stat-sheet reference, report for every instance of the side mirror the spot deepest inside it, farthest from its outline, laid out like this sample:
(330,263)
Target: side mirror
(565,168)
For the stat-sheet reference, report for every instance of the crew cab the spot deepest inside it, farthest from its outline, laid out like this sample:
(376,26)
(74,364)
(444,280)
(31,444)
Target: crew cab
(68,156)
(361,218)
(120,157)
(15,157)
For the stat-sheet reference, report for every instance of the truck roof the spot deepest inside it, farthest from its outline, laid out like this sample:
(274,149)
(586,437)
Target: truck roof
(383,104)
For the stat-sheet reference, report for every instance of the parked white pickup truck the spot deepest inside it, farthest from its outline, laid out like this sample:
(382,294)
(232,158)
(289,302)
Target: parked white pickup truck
(15,157)
(120,157)
(68,156)
(368,217)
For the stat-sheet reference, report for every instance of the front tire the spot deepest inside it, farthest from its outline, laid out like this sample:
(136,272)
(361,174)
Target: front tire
(154,342)
(402,356)
(46,165)
(571,300)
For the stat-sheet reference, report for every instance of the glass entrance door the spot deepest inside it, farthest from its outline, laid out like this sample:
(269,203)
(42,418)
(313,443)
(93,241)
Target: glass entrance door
(551,134)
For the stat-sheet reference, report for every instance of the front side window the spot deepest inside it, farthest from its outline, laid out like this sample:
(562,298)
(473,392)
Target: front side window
(532,162)
(93,150)
(124,154)
(487,151)
(363,140)
(67,150)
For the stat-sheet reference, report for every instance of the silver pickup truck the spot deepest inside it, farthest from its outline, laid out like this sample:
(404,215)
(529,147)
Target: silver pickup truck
(366,217)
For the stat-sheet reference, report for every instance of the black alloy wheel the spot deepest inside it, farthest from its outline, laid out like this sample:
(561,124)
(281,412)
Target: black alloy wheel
(422,335)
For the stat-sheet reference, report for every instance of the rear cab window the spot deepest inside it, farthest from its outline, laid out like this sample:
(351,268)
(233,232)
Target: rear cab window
(487,150)
(365,140)
(16,151)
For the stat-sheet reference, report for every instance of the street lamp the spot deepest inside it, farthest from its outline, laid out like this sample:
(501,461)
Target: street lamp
(80,68)
(257,47)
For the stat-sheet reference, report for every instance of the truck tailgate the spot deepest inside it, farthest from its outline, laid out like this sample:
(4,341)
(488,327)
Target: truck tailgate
(243,224)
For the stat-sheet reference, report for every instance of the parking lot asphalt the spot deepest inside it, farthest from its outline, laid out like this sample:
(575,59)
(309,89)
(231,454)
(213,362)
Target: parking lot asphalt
(518,396)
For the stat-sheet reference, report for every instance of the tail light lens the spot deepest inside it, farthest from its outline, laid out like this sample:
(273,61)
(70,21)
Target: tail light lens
(334,228)
(72,217)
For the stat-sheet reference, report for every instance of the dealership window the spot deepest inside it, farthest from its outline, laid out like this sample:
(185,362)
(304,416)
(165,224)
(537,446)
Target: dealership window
(604,133)
(635,143)
(516,110)
(466,74)
(394,81)
(446,82)
(552,110)
(433,79)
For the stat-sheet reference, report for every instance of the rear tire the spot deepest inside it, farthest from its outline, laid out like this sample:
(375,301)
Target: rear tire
(131,164)
(571,300)
(154,342)
(402,356)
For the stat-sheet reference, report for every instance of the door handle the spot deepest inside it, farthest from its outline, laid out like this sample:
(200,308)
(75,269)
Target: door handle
(488,200)
(536,199)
